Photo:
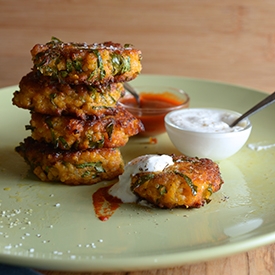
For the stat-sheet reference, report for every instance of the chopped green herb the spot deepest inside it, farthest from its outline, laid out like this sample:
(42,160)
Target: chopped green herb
(47,169)
(162,190)
(96,165)
(40,64)
(57,61)
(64,142)
(126,65)
(52,97)
(76,145)
(91,75)
(63,74)
(77,65)
(100,107)
(100,64)
(54,139)
(116,62)
(92,91)
(128,46)
(142,179)
(96,144)
(69,65)
(48,122)
(85,174)
(189,182)
(120,64)
(55,40)
(113,99)
(110,129)
(115,59)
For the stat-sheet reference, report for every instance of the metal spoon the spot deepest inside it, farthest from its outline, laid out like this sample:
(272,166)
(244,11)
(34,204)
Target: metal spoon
(262,104)
(132,91)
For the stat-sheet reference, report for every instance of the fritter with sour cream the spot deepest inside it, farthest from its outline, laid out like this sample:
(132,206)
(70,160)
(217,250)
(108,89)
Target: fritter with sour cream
(168,181)
(189,182)
(92,64)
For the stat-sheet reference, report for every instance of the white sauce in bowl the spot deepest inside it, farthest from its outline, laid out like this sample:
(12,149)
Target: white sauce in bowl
(206,120)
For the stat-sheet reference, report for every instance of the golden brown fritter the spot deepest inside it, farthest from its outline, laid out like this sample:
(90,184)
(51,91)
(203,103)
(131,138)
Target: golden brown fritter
(66,132)
(189,182)
(87,63)
(71,167)
(46,96)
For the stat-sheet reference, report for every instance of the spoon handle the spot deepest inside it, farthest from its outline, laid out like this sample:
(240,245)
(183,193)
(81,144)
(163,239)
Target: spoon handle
(265,102)
(132,91)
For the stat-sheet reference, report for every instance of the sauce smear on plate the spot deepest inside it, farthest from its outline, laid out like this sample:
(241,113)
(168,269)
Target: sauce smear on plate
(105,204)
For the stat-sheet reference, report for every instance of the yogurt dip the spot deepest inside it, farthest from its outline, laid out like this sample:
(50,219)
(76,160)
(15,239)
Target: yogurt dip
(207,121)
(145,163)
(205,132)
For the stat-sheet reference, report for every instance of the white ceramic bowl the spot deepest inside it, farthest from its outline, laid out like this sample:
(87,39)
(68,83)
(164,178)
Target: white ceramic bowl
(193,142)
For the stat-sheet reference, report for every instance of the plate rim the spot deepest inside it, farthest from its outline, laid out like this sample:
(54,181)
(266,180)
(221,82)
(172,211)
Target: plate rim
(152,262)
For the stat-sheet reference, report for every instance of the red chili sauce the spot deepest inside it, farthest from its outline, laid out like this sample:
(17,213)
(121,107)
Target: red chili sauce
(153,118)
(105,204)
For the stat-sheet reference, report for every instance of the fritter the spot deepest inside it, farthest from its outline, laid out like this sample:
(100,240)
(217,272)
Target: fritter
(46,96)
(71,167)
(66,132)
(93,64)
(189,182)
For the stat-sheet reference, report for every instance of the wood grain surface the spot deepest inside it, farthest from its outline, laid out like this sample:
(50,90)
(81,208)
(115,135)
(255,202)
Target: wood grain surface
(229,41)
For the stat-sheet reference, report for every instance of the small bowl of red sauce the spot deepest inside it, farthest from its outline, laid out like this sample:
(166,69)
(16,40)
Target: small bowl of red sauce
(155,103)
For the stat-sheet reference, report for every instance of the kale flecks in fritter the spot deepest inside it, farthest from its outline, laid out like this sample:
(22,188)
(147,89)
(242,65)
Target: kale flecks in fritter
(77,125)
(189,182)
(44,95)
(94,64)
(66,132)
(71,167)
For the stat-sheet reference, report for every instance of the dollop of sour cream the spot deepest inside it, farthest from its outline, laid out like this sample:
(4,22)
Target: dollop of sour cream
(207,120)
(145,163)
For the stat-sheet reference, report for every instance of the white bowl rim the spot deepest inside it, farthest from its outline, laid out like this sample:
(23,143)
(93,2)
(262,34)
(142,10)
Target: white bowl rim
(172,125)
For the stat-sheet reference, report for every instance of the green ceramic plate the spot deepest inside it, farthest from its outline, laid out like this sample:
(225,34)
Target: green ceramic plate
(53,226)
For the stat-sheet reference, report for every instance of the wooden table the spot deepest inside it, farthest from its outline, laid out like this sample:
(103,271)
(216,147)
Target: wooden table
(230,41)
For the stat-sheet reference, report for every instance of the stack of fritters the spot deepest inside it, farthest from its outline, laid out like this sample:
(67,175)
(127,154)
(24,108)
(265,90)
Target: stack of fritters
(77,126)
